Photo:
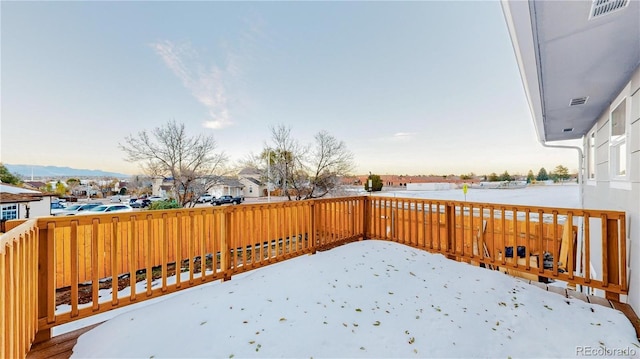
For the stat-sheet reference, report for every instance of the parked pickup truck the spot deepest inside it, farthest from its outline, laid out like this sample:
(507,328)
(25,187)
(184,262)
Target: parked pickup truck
(226,199)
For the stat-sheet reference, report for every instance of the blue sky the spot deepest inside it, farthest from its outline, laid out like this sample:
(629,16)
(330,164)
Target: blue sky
(411,87)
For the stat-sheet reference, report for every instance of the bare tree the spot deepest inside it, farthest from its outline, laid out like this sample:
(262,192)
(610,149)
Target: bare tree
(72,184)
(285,157)
(252,160)
(105,186)
(330,159)
(168,151)
(138,185)
(305,171)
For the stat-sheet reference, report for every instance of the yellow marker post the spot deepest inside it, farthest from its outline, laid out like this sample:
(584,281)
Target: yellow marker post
(464,190)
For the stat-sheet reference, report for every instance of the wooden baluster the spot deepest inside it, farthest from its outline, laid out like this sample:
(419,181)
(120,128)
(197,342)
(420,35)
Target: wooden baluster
(74,268)
(191,237)
(463,232)
(527,239)
(516,235)
(225,244)
(623,252)
(540,235)
(203,240)
(133,251)
(178,244)
(95,260)
(555,243)
(164,244)
(114,261)
(570,256)
(148,238)
(503,246)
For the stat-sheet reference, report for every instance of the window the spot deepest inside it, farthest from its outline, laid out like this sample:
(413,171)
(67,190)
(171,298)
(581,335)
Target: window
(591,160)
(9,212)
(618,140)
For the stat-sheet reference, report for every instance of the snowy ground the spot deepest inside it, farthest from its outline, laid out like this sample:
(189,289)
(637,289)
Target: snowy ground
(365,299)
(565,196)
(368,299)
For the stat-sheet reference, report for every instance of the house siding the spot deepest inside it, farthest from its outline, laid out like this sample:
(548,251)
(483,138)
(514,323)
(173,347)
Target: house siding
(634,141)
(603,193)
(40,206)
(251,190)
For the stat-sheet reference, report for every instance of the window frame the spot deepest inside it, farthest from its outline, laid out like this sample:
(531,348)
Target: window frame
(6,208)
(618,145)
(591,156)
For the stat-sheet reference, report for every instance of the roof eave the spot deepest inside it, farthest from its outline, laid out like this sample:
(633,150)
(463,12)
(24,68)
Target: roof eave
(520,26)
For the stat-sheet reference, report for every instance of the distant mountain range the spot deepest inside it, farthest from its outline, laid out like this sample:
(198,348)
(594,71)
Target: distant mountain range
(54,171)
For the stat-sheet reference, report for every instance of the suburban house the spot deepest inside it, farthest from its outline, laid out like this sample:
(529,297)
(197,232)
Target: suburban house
(580,65)
(20,203)
(120,187)
(161,187)
(34,185)
(85,189)
(253,186)
(227,186)
(222,185)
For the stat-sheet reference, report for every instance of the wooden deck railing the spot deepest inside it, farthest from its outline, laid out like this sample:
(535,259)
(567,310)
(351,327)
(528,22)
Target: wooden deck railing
(514,238)
(60,269)
(18,290)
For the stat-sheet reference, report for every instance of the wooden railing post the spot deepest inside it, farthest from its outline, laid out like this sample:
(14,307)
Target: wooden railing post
(225,244)
(312,227)
(366,220)
(612,257)
(450,223)
(46,298)
(623,252)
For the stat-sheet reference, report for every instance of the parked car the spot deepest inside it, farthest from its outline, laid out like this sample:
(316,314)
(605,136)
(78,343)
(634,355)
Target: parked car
(139,202)
(77,209)
(57,207)
(108,208)
(157,198)
(205,198)
(227,199)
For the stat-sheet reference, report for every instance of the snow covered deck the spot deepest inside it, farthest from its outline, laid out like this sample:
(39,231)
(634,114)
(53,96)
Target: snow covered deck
(85,257)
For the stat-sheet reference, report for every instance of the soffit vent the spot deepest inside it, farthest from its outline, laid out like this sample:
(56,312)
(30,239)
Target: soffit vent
(578,101)
(601,8)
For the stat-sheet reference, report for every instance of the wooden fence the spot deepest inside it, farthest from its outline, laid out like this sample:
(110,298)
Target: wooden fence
(53,270)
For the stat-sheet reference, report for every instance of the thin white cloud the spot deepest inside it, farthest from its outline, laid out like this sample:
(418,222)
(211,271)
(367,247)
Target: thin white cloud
(398,137)
(403,135)
(206,84)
